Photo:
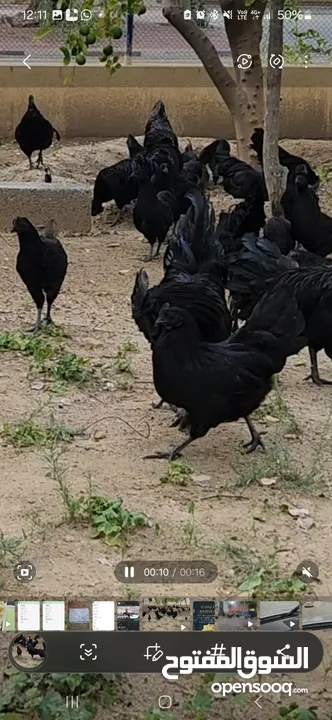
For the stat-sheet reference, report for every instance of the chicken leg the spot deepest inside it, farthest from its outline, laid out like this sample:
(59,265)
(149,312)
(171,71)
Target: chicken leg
(170,454)
(314,372)
(38,324)
(256,439)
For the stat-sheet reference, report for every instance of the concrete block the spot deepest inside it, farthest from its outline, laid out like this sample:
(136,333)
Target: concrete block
(69,204)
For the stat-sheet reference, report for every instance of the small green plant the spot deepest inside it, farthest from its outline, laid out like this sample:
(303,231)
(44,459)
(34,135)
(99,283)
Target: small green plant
(189,528)
(108,518)
(278,463)
(200,704)
(122,362)
(178,473)
(323,174)
(10,549)
(294,712)
(71,368)
(264,581)
(27,433)
(54,362)
(37,697)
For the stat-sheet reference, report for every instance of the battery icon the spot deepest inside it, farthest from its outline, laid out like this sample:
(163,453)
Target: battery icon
(307,16)
(129,571)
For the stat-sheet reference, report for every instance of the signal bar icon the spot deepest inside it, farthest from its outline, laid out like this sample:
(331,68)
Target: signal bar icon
(129,571)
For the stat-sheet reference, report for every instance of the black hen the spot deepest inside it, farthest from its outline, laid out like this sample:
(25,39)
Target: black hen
(212,153)
(222,382)
(41,264)
(246,217)
(119,182)
(285,158)
(278,230)
(310,226)
(191,292)
(154,212)
(34,132)
(158,130)
(250,276)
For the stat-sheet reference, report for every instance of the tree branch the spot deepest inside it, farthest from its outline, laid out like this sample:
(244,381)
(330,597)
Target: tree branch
(272,169)
(205,50)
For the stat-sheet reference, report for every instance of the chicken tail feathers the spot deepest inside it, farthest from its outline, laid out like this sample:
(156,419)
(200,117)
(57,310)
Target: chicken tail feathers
(275,326)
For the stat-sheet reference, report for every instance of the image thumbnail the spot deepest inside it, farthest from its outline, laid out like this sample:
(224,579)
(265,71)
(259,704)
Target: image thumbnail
(7,615)
(279,616)
(237,616)
(317,615)
(166,614)
(28,651)
(78,615)
(128,615)
(204,615)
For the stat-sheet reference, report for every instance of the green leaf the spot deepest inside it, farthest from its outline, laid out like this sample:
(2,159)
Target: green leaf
(42,31)
(253,581)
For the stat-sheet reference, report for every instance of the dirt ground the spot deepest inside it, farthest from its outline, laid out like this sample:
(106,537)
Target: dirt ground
(226,513)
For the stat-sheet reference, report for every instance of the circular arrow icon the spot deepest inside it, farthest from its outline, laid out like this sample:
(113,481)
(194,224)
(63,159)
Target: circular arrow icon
(276,61)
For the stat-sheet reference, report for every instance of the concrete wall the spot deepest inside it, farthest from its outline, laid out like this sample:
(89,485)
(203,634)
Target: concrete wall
(92,104)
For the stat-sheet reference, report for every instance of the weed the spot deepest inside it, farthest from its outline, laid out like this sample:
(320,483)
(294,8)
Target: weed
(189,528)
(276,407)
(27,432)
(36,347)
(200,704)
(122,362)
(279,463)
(54,362)
(41,696)
(72,368)
(178,473)
(265,582)
(323,174)
(108,519)
(57,472)
(10,549)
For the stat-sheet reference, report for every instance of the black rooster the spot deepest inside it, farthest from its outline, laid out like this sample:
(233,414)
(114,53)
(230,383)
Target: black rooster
(41,264)
(285,158)
(222,382)
(34,132)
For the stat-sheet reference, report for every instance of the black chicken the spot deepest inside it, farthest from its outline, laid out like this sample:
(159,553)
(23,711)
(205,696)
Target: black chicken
(310,226)
(278,230)
(41,264)
(118,182)
(246,217)
(134,147)
(250,276)
(238,178)
(34,132)
(158,130)
(285,158)
(154,212)
(212,153)
(222,382)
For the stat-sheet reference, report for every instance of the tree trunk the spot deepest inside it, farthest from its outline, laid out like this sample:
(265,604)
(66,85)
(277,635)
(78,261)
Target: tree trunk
(244,98)
(272,169)
(244,37)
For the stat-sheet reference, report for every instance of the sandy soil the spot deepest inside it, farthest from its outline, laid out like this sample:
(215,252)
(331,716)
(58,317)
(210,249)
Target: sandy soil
(237,524)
